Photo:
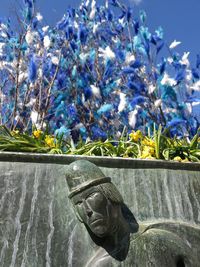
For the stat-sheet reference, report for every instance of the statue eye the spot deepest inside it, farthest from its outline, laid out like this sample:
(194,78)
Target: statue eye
(79,203)
(93,195)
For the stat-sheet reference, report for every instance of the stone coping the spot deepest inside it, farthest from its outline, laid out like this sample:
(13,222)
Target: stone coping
(110,162)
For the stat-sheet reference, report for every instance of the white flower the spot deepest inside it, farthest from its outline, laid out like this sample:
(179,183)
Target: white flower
(122,21)
(76,25)
(170,60)
(47,41)
(83,57)
(188,75)
(95,27)
(45,28)
(40,73)
(55,60)
(184,60)
(3,27)
(132,118)
(174,44)
(106,53)
(189,107)
(158,103)
(95,90)
(39,16)
(34,116)
(196,86)
(115,39)
(151,88)
(22,77)
(4,35)
(87,3)
(166,80)
(122,103)
(93,9)
(31,103)
(29,37)
(1,48)
(129,58)
(118,82)
(194,104)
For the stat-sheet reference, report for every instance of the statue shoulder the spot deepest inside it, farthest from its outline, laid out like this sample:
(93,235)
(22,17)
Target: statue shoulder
(100,259)
(165,244)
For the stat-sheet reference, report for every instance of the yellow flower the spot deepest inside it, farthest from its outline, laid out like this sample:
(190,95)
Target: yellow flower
(177,158)
(148,152)
(37,133)
(15,132)
(135,136)
(148,142)
(49,140)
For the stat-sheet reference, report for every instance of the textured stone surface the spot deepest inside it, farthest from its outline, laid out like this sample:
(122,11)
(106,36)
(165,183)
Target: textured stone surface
(38,226)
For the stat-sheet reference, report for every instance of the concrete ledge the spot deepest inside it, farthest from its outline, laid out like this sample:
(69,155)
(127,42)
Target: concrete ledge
(109,162)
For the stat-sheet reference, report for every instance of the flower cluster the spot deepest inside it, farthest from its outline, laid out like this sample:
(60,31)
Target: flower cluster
(98,70)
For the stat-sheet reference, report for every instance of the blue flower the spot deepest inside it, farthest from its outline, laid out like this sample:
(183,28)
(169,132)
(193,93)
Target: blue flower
(129,14)
(128,70)
(87,93)
(98,133)
(136,64)
(29,3)
(63,132)
(32,70)
(138,100)
(159,47)
(198,61)
(69,32)
(62,23)
(73,45)
(180,76)
(114,3)
(110,15)
(83,34)
(136,25)
(162,66)
(143,16)
(159,33)
(105,108)
(176,122)
(195,73)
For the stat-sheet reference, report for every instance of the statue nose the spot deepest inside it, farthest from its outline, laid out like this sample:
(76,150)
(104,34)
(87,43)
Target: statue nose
(88,209)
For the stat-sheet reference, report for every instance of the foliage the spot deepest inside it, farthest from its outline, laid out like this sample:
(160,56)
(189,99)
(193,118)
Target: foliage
(134,145)
(22,142)
(98,70)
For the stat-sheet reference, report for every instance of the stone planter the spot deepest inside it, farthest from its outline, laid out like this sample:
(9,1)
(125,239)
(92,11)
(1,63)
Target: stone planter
(38,226)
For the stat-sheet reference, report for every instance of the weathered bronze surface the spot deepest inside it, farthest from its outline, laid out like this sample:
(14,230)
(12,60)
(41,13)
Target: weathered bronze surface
(111,225)
(38,225)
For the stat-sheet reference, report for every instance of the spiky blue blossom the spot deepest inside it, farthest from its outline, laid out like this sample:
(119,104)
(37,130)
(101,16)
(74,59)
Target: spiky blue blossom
(32,69)
(62,132)
(105,108)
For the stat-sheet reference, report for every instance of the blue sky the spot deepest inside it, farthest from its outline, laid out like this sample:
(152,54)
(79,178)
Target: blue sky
(179,18)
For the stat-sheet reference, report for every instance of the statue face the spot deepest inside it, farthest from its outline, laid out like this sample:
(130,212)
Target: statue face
(96,211)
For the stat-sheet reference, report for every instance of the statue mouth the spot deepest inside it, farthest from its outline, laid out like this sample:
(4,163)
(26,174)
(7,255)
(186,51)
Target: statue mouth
(97,221)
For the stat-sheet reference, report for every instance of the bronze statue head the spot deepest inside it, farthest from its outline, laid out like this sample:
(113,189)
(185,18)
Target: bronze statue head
(96,200)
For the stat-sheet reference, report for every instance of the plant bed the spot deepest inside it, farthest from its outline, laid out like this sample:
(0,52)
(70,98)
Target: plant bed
(133,145)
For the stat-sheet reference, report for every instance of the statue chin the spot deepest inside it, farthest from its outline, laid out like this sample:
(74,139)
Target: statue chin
(98,228)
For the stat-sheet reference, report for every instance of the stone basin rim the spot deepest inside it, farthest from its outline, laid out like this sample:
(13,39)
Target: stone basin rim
(109,162)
